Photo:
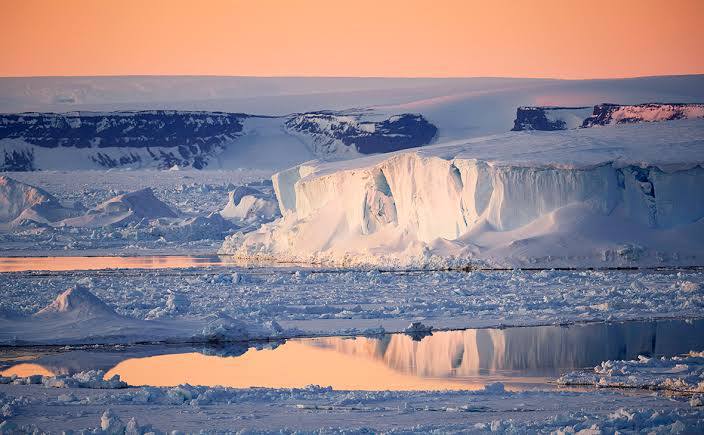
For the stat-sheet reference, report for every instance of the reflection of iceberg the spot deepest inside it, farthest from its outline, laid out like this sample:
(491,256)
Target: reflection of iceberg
(544,350)
(450,359)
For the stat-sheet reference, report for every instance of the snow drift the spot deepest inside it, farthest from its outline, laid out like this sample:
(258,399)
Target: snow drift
(621,196)
(77,301)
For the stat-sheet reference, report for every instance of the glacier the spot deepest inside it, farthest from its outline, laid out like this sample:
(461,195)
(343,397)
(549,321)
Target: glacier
(621,196)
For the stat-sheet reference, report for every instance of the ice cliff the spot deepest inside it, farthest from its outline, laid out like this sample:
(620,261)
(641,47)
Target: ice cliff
(622,196)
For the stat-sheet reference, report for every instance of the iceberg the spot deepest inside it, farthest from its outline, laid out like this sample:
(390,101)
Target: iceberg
(128,207)
(246,204)
(628,195)
(21,203)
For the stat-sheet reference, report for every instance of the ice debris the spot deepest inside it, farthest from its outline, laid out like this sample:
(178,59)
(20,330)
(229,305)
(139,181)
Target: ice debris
(679,373)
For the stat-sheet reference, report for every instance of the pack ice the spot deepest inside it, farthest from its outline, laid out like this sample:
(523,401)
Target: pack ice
(77,316)
(626,195)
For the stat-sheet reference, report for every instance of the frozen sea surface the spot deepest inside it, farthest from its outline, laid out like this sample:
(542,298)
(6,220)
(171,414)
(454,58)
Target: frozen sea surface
(329,302)
(332,303)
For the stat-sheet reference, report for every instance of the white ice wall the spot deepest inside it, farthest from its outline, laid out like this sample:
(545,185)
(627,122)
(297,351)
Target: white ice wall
(433,197)
(578,196)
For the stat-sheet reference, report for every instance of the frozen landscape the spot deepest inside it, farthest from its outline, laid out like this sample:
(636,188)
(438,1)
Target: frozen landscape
(479,255)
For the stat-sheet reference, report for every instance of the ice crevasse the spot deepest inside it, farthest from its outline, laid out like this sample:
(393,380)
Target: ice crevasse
(604,197)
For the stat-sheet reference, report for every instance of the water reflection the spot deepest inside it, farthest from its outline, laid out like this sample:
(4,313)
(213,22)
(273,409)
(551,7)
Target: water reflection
(466,359)
(23,264)
(534,350)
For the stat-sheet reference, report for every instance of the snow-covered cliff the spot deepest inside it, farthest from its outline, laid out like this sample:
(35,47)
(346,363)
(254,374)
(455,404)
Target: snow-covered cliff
(546,118)
(607,114)
(622,196)
(167,138)
(333,132)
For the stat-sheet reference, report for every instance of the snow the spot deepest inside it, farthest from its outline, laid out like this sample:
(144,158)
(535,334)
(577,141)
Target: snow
(21,201)
(177,139)
(460,108)
(566,118)
(77,301)
(605,197)
(550,118)
(252,302)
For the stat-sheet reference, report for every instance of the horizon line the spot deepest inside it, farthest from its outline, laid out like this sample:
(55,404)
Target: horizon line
(419,77)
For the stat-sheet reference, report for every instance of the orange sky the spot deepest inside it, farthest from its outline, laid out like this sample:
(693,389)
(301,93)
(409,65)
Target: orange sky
(539,38)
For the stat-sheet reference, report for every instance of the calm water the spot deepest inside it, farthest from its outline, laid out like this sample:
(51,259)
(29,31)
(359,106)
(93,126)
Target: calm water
(23,264)
(468,359)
